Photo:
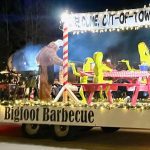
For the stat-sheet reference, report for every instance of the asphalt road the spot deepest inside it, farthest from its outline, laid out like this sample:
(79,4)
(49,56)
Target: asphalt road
(11,139)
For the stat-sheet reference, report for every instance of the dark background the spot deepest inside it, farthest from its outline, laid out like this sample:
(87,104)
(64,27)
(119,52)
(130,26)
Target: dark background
(24,22)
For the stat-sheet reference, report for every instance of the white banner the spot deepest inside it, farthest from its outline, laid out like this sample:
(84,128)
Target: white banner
(47,115)
(124,19)
(79,116)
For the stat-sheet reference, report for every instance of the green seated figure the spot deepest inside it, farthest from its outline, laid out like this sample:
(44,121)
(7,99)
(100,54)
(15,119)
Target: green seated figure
(83,79)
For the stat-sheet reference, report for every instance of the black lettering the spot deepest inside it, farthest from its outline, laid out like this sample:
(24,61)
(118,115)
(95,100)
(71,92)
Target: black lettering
(96,21)
(91,116)
(37,114)
(122,18)
(26,114)
(77,21)
(92,21)
(135,14)
(83,116)
(12,113)
(21,112)
(141,16)
(77,118)
(53,115)
(147,15)
(64,115)
(104,21)
(16,114)
(32,114)
(71,116)
(126,16)
(58,115)
(45,114)
(7,112)
(87,21)
(112,18)
(83,21)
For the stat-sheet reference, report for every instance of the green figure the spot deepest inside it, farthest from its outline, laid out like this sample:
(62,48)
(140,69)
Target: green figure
(83,79)
(144,53)
(99,70)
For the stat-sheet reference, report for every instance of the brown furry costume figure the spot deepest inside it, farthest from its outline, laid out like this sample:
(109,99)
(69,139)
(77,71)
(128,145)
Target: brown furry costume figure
(48,57)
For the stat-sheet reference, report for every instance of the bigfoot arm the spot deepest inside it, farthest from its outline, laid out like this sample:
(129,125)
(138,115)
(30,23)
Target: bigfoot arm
(56,60)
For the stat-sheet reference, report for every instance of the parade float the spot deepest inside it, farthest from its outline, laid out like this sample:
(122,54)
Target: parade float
(107,97)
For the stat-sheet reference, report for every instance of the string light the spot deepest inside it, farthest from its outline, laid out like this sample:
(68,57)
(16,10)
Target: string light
(119,103)
(105,30)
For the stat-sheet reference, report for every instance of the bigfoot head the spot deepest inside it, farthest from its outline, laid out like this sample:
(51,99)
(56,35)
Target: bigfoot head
(48,54)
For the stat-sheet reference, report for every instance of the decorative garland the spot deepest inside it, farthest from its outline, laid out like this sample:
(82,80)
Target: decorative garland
(143,104)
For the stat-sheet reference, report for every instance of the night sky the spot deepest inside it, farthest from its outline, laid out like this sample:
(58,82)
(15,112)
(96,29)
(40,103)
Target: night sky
(31,23)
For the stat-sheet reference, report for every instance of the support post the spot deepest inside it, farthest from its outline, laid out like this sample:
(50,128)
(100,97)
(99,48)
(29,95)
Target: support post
(65,60)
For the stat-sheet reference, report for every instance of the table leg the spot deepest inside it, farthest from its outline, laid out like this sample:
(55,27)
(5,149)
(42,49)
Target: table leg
(109,95)
(90,97)
(135,96)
